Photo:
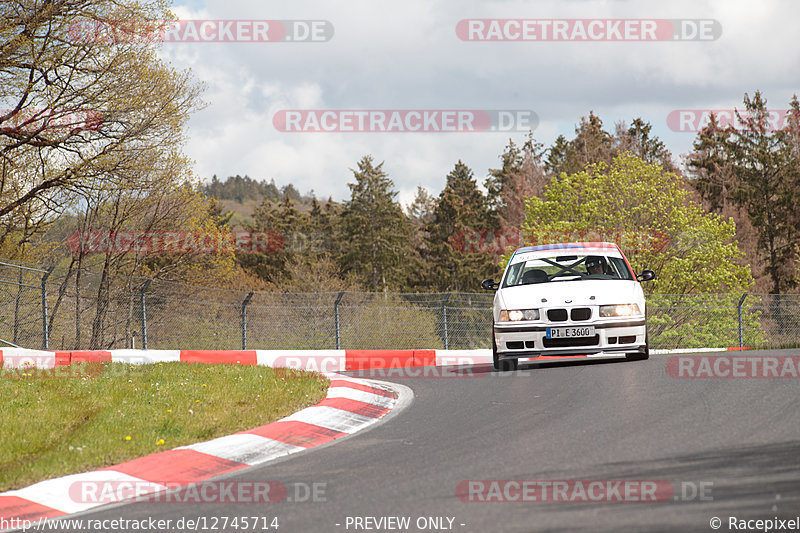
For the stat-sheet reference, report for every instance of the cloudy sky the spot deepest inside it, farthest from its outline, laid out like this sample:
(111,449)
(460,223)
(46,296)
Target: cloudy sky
(393,55)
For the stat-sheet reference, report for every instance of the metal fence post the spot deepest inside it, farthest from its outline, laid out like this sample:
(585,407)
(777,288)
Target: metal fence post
(143,307)
(444,320)
(45,329)
(244,319)
(16,308)
(739,310)
(336,319)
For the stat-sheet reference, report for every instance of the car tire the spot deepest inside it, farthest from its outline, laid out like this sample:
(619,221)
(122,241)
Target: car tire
(508,365)
(495,360)
(501,365)
(641,356)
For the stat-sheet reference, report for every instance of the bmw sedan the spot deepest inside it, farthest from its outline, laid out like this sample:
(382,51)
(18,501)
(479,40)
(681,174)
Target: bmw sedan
(566,301)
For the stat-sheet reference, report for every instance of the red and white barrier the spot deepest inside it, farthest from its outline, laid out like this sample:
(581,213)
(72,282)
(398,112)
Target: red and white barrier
(313,360)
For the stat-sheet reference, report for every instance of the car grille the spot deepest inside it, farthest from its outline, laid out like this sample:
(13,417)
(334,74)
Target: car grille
(570,342)
(557,315)
(580,313)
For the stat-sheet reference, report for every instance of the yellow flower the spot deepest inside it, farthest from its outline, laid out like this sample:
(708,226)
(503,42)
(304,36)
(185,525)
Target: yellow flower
(169,410)
(160,442)
(127,437)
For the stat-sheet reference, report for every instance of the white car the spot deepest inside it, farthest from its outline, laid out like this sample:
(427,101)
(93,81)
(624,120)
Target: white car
(565,301)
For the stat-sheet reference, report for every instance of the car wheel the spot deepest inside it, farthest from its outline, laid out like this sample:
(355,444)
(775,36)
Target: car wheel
(495,360)
(508,365)
(641,356)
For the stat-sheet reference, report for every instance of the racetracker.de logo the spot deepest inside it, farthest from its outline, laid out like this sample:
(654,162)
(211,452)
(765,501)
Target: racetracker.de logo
(39,120)
(199,31)
(695,120)
(10,369)
(174,242)
(404,120)
(588,30)
(565,491)
(501,241)
(227,492)
(734,366)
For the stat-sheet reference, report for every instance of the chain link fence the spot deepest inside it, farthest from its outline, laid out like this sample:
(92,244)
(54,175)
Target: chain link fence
(62,310)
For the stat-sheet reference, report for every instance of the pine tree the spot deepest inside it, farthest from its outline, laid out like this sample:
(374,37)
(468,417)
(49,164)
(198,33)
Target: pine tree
(374,230)
(757,168)
(521,176)
(461,207)
(591,144)
(637,139)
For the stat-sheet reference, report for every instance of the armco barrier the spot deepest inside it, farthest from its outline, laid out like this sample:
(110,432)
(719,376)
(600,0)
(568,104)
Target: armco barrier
(314,360)
(372,359)
(238,357)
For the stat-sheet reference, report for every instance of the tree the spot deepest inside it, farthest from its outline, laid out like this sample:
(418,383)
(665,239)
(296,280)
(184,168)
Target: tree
(421,209)
(107,278)
(636,197)
(756,167)
(637,140)
(420,214)
(294,228)
(521,176)
(710,166)
(374,231)
(78,106)
(591,144)
(461,207)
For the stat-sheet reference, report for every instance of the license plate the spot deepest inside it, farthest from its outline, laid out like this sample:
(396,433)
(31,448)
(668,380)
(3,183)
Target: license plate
(568,333)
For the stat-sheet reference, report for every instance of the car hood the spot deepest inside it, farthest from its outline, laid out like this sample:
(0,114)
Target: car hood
(579,292)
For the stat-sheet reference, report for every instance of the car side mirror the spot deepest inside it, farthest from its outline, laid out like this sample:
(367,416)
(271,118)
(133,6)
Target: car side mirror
(489,284)
(646,275)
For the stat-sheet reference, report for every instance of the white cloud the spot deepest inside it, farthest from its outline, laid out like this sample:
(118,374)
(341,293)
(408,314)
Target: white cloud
(406,55)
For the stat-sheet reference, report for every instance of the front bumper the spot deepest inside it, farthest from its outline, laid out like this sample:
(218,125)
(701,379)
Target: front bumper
(612,339)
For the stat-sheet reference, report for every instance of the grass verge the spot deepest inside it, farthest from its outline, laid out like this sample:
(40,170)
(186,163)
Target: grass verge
(89,416)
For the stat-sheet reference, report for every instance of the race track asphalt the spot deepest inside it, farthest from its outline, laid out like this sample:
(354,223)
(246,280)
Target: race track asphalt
(738,439)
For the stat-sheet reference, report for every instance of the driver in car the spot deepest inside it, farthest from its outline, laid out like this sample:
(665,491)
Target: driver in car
(595,265)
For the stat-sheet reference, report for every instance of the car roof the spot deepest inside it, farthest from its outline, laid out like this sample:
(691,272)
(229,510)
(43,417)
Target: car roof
(583,247)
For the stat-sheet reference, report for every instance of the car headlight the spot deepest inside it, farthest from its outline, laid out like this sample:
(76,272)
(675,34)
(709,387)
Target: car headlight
(619,310)
(515,315)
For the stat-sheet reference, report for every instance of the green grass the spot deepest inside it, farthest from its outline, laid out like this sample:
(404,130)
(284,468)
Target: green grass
(96,415)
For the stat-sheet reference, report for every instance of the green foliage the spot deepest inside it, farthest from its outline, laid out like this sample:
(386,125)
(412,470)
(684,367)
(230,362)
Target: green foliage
(634,196)
(389,321)
(701,321)
(293,227)
(461,206)
(757,167)
(374,230)
(243,188)
(593,144)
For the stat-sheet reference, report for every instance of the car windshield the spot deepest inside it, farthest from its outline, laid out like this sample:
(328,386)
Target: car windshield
(566,268)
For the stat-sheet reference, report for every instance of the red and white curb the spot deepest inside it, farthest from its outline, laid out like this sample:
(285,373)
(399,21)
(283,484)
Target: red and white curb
(351,405)
(315,360)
